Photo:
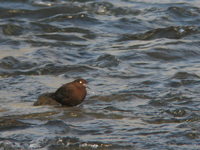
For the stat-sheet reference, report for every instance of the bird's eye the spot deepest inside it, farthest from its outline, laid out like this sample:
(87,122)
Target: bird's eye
(80,82)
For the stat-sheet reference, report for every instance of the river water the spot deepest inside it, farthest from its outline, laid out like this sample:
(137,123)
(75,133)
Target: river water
(140,57)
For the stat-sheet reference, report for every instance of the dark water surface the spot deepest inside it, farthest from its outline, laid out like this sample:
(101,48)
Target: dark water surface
(141,58)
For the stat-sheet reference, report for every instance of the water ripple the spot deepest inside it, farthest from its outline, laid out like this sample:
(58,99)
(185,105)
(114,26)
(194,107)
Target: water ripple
(140,58)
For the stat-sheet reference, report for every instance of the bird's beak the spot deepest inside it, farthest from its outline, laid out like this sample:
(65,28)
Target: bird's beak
(86,86)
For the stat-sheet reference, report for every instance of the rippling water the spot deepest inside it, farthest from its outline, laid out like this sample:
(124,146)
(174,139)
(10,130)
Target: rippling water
(141,59)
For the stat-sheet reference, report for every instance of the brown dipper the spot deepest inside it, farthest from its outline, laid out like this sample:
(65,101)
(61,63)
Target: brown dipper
(70,94)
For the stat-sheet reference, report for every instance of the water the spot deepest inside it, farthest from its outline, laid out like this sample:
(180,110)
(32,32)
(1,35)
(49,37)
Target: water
(141,59)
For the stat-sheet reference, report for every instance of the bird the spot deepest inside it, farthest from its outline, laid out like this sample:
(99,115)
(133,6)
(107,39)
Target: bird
(69,94)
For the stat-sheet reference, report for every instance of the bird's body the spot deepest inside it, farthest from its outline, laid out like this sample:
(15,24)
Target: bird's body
(70,94)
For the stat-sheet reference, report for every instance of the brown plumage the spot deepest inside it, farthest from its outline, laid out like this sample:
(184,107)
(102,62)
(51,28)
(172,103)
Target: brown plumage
(70,94)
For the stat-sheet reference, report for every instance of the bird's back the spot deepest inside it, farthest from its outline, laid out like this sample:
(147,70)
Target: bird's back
(69,95)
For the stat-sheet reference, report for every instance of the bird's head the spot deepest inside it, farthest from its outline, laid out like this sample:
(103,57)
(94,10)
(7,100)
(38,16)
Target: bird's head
(80,83)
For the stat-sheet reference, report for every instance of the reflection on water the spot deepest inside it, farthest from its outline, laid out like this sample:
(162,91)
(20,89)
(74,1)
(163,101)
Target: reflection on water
(141,59)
